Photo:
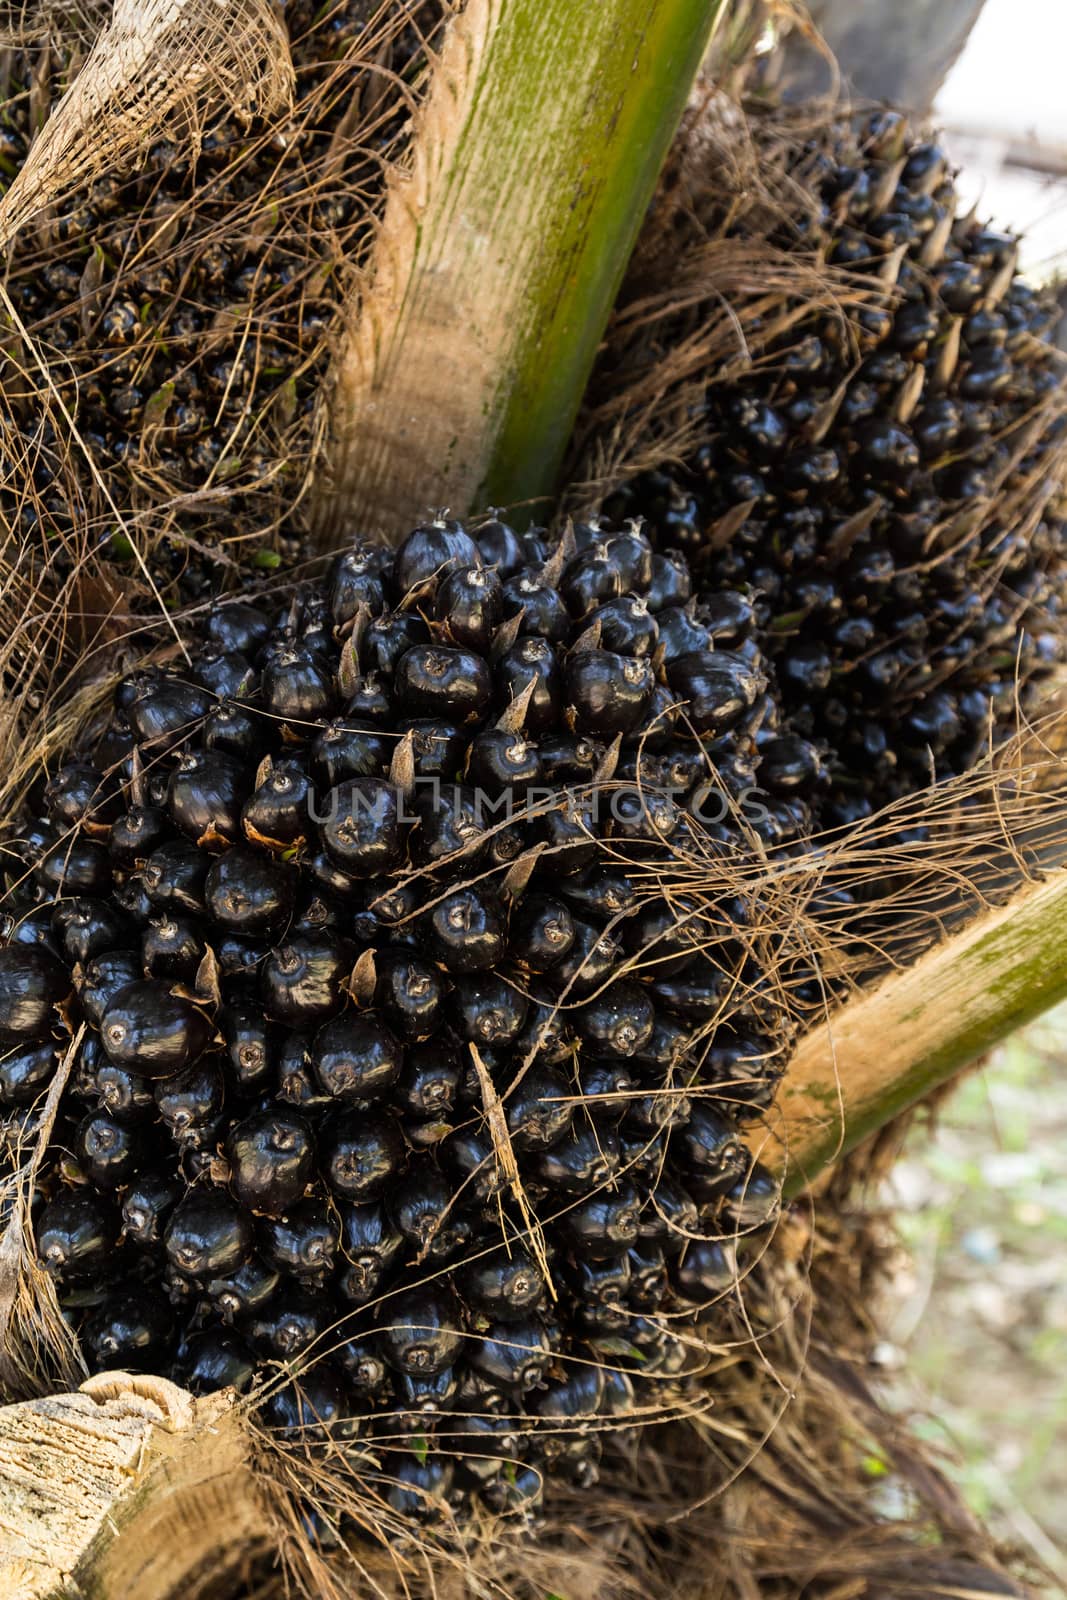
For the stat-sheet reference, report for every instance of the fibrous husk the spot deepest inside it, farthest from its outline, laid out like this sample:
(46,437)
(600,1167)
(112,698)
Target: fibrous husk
(155,63)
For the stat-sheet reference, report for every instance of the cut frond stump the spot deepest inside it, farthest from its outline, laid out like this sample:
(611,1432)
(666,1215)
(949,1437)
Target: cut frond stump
(156,1497)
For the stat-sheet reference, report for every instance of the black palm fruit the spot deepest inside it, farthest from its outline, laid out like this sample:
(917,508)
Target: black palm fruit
(504,1285)
(586,1157)
(208,1235)
(271,1156)
(361,832)
(174,876)
(304,1241)
(301,979)
(278,808)
(32,983)
(124,1093)
(249,892)
(514,1355)
(147,1203)
(76,1234)
(109,1150)
(309,1404)
(152,1031)
(132,1330)
(364,1370)
(704,1271)
(429,1080)
(239,1293)
(32,925)
(410,993)
(419,1490)
(172,947)
(371,1247)
(218,1358)
(87,928)
(427,1216)
(419,1332)
(431,554)
(251,1043)
(206,793)
(79,793)
(356,1058)
(604,1224)
(406,940)
(864,482)
(26,1069)
(361,1155)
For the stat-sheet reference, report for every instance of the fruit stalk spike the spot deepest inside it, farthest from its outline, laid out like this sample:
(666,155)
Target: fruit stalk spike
(887,186)
(846,533)
(910,394)
(934,246)
(889,272)
(948,355)
(1002,281)
(513,718)
(723,529)
(500,253)
(826,415)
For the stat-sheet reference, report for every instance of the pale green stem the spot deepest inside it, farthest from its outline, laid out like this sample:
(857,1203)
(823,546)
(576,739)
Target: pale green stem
(500,253)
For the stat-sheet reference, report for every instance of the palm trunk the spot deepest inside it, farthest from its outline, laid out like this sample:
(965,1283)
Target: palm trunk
(896,50)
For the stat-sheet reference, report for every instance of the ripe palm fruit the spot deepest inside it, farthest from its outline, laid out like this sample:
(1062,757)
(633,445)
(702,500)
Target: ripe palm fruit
(152,1031)
(32,982)
(884,486)
(399,969)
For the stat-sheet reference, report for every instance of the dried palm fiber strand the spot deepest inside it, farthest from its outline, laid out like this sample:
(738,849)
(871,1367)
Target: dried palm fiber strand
(154,63)
(183,306)
(179,310)
(830,389)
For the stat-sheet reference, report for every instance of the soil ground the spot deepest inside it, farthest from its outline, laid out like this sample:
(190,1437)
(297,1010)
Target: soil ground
(979,1337)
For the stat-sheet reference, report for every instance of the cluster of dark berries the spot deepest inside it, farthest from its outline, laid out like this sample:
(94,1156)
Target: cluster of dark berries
(378,1019)
(885,488)
(182,309)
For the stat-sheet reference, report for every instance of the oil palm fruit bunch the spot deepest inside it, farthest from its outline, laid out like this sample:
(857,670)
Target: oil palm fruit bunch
(884,486)
(182,308)
(388,1056)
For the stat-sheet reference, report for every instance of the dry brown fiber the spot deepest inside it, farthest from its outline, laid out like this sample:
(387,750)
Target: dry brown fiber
(155,63)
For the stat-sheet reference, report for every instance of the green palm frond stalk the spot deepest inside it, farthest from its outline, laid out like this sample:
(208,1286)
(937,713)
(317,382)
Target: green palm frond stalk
(500,253)
(890,1047)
